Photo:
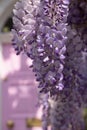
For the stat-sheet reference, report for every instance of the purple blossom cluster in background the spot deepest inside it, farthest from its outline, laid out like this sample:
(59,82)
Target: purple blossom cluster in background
(53,33)
(78,12)
(65,113)
(75,72)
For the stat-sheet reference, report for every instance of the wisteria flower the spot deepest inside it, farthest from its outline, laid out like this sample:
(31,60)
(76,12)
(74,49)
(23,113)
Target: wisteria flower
(40,31)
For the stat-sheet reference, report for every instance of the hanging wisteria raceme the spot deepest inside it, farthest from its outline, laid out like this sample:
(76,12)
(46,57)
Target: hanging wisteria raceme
(48,51)
(24,20)
(75,72)
(59,60)
(66,113)
(40,31)
(78,12)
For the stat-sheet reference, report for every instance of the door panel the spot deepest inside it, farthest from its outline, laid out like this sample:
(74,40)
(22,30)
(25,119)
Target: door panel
(19,93)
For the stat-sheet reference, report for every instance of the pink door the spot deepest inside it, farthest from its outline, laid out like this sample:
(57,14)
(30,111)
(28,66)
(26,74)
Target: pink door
(19,92)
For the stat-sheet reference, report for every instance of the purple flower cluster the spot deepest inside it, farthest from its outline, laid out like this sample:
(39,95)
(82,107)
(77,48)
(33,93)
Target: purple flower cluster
(40,31)
(24,20)
(78,12)
(53,33)
(65,113)
(75,70)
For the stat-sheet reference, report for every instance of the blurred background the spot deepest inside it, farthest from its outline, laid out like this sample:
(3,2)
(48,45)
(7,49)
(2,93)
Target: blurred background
(18,91)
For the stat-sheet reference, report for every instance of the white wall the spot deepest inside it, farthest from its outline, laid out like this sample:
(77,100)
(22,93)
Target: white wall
(6,7)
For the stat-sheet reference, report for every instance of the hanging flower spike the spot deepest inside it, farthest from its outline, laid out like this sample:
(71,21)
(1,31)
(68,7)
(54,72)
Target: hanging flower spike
(48,51)
(42,25)
(66,114)
(24,24)
(77,12)
(76,59)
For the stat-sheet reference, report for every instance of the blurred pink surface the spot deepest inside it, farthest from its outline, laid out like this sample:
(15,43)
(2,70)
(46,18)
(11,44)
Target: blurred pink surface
(19,90)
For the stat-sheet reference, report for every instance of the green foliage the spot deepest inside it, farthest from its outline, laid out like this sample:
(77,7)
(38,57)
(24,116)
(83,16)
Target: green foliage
(85,117)
(7,26)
